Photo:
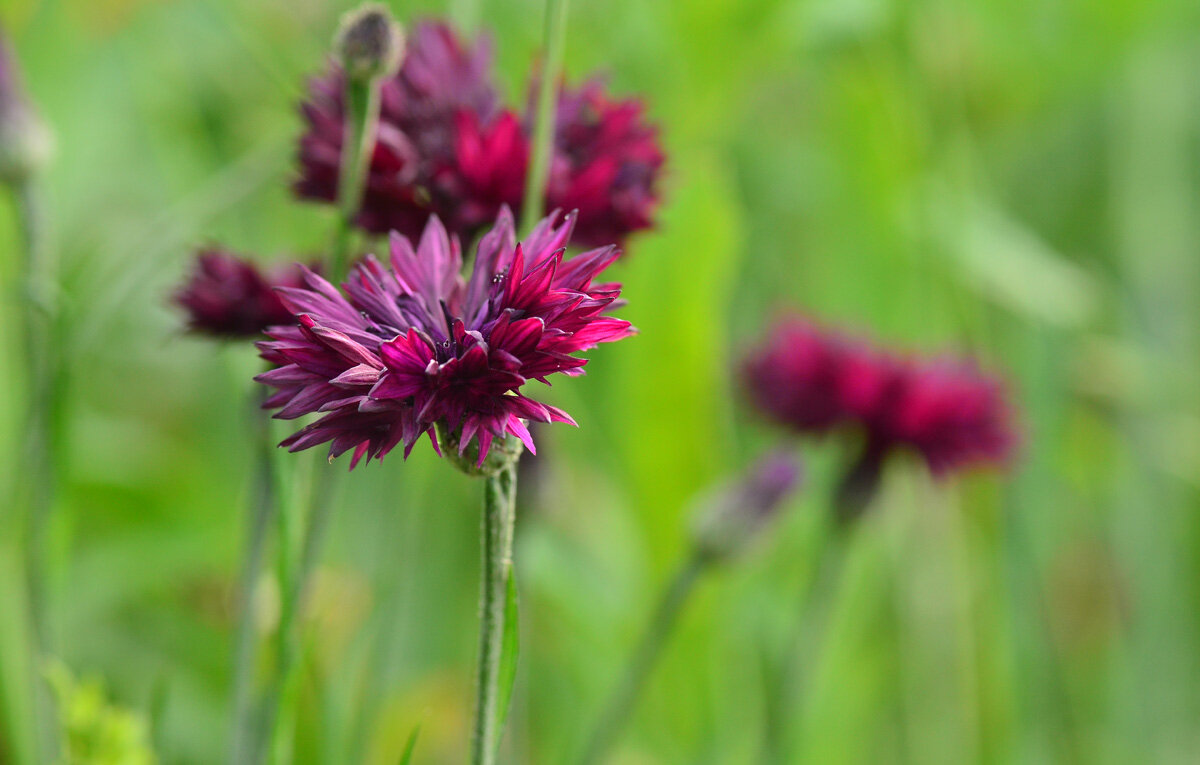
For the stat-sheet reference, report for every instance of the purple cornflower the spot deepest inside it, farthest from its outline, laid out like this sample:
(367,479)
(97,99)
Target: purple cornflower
(606,164)
(444,146)
(415,345)
(229,297)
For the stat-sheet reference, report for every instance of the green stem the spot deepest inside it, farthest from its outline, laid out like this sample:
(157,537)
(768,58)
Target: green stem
(499,516)
(295,581)
(358,143)
(39,472)
(265,504)
(816,603)
(39,469)
(543,125)
(621,704)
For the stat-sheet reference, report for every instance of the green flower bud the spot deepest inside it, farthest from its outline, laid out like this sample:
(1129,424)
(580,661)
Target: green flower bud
(369,44)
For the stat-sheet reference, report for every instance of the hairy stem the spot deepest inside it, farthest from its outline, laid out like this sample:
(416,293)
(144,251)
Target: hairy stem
(543,125)
(623,700)
(358,142)
(499,516)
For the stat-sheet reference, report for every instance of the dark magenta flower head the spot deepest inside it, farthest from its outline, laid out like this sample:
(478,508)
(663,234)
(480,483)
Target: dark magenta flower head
(802,373)
(442,83)
(729,520)
(951,413)
(413,345)
(606,164)
(229,297)
(814,381)
(485,172)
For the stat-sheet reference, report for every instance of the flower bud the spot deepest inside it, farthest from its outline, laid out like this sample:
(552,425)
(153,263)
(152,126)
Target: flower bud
(369,44)
(25,143)
(731,518)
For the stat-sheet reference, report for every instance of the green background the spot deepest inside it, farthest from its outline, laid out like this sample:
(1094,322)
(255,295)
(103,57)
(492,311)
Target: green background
(1019,179)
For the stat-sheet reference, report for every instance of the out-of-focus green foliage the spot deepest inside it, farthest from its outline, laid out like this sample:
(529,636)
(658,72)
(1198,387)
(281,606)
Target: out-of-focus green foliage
(95,732)
(1016,178)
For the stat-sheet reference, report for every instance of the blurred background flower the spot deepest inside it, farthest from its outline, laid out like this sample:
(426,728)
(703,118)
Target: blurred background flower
(229,297)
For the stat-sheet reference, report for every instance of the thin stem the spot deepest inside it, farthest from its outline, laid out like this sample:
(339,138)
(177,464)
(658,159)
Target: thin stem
(499,516)
(543,126)
(295,581)
(358,143)
(812,622)
(39,469)
(39,472)
(260,517)
(621,704)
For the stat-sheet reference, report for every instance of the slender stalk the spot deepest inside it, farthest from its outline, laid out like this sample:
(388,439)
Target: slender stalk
(362,120)
(543,125)
(296,581)
(816,601)
(260,518)
(39,471)
(383,638)
(621,704)
(499,516)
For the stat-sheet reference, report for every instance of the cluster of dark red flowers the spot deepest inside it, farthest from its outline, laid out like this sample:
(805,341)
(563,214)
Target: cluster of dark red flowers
(416,345)
(814,381)
(446,147)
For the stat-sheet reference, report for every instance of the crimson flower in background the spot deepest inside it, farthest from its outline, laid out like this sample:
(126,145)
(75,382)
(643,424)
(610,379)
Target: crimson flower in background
(606,164)
(814,381)
(229,297)
(444,146)
(415,345)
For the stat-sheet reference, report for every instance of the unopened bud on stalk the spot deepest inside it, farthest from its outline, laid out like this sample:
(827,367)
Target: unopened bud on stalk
(731,518)
(25,143)
(369,44)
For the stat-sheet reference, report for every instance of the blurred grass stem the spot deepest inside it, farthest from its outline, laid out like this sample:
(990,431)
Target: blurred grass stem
(624,699)
(816,603)
(264,504)
(296,575)
(39,471)
(543,127)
